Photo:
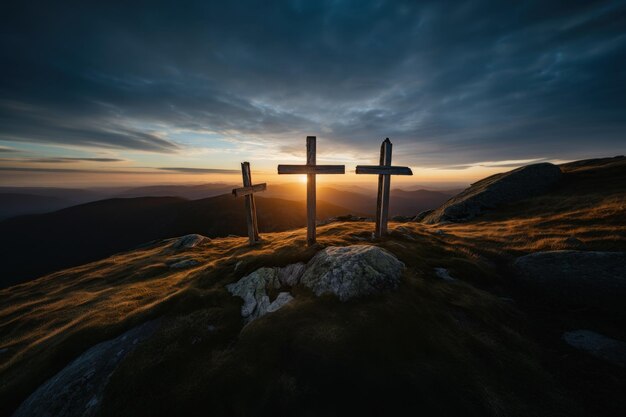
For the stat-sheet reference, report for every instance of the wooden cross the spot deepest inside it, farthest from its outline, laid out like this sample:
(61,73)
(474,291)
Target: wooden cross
(384,171)
(248,191)
(311,169)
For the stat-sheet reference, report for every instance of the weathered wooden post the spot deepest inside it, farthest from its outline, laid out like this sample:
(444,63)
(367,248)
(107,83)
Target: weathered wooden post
(384,171)
(248,191)
(311,169)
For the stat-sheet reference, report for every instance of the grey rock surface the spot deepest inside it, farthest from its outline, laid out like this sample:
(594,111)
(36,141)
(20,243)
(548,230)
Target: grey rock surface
(290,274)
(595,279)
(189,241)
(598,345)
(352,271)
(495,191)
(78,388)
(422,214)
(347,272)
(253,290)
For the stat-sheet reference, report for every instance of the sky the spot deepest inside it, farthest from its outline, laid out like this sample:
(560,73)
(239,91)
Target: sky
(97,93)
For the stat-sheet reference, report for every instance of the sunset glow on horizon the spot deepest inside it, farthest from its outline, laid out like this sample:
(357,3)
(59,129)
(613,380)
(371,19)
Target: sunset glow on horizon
(86,102)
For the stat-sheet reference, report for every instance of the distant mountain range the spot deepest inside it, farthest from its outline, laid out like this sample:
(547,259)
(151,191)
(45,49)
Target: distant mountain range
(91,231)
(402,203)
(16,201)
(67,227)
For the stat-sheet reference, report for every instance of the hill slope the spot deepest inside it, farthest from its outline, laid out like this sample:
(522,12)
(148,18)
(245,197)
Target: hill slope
(467,344)
(95,230)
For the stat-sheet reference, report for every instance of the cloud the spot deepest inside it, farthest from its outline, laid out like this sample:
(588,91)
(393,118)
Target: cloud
(449,83)
(6,150)
(200,170)
(60,160)
(66,170)
(139,170)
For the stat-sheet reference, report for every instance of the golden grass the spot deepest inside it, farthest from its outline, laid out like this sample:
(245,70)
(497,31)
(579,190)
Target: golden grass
(49,321)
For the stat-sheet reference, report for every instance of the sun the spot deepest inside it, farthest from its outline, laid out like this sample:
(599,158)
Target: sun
(303,179)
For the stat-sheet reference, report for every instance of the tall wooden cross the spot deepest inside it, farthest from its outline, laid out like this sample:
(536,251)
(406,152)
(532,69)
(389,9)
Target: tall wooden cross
(384,171)
(248,191)
(311,169)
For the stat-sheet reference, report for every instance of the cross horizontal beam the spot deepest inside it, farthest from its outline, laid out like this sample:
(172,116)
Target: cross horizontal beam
(238,192)
(383,170)
(311,169)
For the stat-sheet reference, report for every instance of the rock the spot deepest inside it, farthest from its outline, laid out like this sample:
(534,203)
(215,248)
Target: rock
(253,290)
(282,299)
(595,279)
(78,388)
(495,191)
(352,271)
(290,275)
(598,345)
(185,263)
(574,243)
(189,241)
(421,215)
(444,274)
(347,272)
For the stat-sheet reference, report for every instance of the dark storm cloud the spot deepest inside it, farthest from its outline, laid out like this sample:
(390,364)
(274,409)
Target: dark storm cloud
(448,82)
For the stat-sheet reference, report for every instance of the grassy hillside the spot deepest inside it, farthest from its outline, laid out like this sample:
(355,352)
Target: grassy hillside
(449,343)
(589,204)
(471,347)
(91,231)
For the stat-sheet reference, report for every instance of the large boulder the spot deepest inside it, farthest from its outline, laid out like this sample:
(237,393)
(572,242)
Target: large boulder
(495,191)
(77,390)
(347,272)
(189,241)
(352,271)
(596,279)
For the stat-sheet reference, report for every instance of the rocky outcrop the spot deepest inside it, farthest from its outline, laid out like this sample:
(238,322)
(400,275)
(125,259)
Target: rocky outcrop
(352,271)
(189,241)
(495,191)
(253,289)
(77,389)
(596,279)
(598,345)
(347,272)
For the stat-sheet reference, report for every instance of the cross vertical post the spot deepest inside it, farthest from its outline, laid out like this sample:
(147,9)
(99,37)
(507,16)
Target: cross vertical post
(311,197)
(311,169)
(384,185)
(384,171)
(248,191)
